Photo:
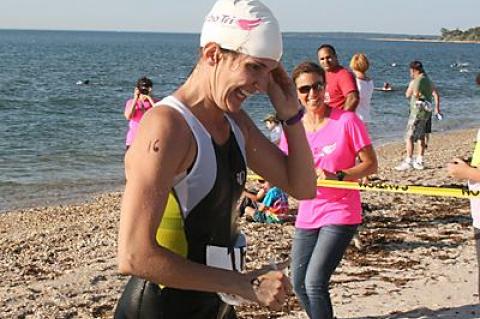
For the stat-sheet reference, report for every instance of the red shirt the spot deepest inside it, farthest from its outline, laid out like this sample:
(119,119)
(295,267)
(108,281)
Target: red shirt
(339,83)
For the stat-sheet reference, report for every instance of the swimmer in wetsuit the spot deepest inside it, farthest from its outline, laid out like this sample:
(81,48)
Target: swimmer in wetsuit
(187,168)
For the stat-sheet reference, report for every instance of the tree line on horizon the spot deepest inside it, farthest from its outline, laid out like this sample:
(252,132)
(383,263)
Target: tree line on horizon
(472,34)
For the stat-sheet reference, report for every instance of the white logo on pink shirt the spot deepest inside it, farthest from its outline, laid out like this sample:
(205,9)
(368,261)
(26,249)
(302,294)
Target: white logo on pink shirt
(326,150)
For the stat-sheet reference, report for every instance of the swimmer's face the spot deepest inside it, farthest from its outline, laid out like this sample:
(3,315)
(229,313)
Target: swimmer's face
(238,76)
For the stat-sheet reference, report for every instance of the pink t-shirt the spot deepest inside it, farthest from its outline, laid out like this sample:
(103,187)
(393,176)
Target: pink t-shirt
(134,122)
(334,148)
(339,83)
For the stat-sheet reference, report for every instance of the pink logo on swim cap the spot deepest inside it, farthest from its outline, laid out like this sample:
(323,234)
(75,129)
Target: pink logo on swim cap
(248,25)
(244,26)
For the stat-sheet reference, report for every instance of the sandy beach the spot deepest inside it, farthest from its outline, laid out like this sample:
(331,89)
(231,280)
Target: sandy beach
(417,259)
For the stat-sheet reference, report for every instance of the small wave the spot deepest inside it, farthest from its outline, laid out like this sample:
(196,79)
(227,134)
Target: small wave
(9,183)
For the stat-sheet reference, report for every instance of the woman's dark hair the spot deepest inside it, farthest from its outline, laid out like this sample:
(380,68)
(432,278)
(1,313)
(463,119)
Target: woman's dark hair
(307,67)
(144,82)
(478,79)
(417,65)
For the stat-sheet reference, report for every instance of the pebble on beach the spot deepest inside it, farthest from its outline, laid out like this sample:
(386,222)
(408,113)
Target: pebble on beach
(417,258)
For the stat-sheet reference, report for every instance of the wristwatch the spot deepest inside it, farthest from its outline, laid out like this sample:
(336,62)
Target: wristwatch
(340,175)
(294,119)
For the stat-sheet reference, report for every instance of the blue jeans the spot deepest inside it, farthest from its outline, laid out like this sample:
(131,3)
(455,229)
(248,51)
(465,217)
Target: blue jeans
(315,255)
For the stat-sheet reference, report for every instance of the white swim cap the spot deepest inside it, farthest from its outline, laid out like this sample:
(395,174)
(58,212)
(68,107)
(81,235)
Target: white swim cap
(245,26)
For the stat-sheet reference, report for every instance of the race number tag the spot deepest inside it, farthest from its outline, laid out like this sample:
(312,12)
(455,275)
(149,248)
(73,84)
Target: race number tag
(231,258)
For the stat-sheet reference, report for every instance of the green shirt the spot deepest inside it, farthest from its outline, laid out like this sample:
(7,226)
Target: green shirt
(424,86)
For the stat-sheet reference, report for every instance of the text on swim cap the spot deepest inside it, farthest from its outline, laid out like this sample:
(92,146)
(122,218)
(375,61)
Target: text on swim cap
(232,21)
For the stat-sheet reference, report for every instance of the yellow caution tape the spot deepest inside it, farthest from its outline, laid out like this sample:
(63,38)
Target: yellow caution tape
(394,188)
(405,189)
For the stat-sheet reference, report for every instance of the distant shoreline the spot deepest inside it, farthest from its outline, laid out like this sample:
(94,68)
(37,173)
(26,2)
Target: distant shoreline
(422,40)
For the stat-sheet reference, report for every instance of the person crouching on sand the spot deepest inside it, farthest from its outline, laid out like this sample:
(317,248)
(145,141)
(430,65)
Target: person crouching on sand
(268,205)
(187,167)
(326,224)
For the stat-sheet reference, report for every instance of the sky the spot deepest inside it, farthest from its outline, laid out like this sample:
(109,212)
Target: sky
(416,17)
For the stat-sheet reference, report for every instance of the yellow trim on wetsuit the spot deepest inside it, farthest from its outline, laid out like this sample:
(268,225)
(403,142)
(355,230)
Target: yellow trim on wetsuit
(171,232)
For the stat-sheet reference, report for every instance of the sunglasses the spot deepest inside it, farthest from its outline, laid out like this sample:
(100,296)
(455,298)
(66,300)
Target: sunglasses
(317,86)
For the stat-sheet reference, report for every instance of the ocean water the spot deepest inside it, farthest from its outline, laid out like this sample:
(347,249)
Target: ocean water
(61,142)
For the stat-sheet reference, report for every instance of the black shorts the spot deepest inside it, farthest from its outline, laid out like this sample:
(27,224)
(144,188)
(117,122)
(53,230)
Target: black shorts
(142,299)
(428,127)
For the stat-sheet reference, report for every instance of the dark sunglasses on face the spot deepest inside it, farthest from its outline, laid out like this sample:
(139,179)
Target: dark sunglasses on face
(317,86)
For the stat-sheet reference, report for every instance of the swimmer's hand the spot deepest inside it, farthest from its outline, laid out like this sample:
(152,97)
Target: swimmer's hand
(282,93)
(270,286)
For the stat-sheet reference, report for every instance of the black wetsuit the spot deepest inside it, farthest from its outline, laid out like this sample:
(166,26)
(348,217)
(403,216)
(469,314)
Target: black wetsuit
(211,220)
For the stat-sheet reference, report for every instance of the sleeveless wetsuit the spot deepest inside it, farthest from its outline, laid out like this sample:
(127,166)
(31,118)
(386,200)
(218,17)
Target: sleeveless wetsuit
(200,211)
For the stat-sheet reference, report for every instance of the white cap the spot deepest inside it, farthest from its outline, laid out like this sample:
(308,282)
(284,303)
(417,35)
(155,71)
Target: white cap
(245,26)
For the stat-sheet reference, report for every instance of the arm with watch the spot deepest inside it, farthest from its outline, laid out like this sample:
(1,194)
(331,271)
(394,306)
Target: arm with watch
(294,173)
(366,166)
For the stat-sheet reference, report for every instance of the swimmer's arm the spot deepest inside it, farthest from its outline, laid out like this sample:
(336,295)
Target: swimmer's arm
(293,173)
(151,164)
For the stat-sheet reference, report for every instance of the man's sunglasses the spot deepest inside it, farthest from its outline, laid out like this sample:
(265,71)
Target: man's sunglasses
(317,86)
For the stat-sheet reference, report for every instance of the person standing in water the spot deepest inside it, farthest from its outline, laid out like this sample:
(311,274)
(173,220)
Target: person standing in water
(186,169)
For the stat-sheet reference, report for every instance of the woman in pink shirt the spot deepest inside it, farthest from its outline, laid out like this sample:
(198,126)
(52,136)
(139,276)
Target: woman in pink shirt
(326,224)
(135,108)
